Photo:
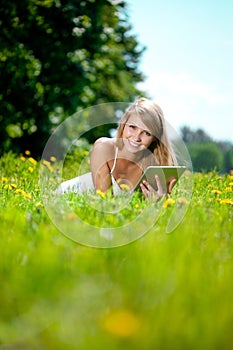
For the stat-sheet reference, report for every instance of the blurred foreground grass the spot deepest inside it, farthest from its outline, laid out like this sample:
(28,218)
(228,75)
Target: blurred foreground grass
(163,291)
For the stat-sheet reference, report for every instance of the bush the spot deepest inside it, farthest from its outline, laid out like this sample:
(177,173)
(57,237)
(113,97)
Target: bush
(206,156)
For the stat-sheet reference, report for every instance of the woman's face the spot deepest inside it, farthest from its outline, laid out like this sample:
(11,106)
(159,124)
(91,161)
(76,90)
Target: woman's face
(136,136)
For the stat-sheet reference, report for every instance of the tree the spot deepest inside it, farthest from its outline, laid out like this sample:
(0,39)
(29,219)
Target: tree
(206,156)
(229,160)
(60,56)
(190,136)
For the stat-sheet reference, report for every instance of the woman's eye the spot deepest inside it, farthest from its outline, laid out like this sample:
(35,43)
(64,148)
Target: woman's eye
(147,133)
(132,126)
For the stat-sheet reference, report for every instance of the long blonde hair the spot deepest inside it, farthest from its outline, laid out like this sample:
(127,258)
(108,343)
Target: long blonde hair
(160,151)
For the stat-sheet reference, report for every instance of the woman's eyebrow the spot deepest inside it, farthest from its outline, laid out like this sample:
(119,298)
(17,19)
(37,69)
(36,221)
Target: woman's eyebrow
(133,123)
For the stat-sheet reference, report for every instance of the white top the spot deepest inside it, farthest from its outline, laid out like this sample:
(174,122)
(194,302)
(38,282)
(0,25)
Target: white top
(84,183)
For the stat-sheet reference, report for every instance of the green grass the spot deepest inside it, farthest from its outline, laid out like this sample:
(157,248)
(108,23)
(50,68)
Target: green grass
(162,291)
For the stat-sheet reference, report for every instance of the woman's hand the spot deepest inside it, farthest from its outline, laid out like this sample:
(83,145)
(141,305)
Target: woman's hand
(149,192)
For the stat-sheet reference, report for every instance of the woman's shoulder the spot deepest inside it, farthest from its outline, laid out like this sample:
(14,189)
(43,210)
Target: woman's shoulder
(105,143)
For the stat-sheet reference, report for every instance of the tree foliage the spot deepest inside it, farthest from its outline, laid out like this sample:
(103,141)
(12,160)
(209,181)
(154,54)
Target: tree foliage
(60,56)
(207,154)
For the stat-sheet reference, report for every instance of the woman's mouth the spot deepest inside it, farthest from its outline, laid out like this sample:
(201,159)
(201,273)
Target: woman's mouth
(134,144)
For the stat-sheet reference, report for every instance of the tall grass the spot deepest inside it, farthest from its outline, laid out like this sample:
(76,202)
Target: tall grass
(163,291)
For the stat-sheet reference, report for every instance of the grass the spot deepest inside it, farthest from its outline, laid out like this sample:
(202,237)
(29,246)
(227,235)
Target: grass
(162,291)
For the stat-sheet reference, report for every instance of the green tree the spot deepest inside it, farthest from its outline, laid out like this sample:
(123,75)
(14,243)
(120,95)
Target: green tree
(206,156)
(57,57)
(189,136)
(229,160)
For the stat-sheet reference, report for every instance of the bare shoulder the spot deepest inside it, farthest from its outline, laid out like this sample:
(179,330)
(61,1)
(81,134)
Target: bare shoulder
(103,151)
(105,144)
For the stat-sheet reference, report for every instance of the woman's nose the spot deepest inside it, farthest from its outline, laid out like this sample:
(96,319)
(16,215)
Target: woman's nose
(138,135)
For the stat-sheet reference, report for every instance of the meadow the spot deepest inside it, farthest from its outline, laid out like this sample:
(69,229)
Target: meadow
(161,291)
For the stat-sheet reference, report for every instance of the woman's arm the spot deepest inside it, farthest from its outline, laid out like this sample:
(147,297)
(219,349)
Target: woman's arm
(102,153)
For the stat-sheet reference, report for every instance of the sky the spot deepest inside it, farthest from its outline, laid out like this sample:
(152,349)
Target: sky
(188,62)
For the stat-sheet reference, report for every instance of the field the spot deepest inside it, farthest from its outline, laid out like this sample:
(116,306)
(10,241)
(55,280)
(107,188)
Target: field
(161,291)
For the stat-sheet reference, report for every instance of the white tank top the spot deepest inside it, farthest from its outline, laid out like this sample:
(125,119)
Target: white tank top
(85,183)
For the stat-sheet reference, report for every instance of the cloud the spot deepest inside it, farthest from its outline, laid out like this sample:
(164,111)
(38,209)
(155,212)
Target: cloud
(183,85)
(187,101)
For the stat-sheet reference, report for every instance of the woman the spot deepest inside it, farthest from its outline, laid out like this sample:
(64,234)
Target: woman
(119,162)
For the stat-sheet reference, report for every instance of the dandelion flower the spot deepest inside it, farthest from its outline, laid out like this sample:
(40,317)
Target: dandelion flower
(124,187)
(182,200)
(45,162)
(228,189)
(7,187)
(226,201)
(101,194)
(72,216)
(27,152)
(32,160)
(216,191)
(39,204)
(121,323)
(31,169)
(23,158)
(168,202)
(53,159)
(4,179)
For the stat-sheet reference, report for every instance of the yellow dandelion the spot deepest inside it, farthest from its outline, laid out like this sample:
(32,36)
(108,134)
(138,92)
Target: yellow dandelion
(228,189)
(218,214)
(7,187)
(137,206)
(226,201)
(45,162)
(31,169)
(23,158)
(231,184)
(13,185)
(182,200)
(27,152)
(230,177)
(216,191)
(124,187)
(32,160)
(53,159)
(27,195)
(39,204)
(121,323)
(101,194)
(4,179)
(71,216)
(19,190)
(168,202)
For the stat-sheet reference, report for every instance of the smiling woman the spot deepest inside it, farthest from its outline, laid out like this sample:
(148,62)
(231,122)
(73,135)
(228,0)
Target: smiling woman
(119,162)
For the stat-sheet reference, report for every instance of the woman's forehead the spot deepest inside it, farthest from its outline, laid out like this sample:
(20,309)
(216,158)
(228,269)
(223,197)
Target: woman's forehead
(135,119)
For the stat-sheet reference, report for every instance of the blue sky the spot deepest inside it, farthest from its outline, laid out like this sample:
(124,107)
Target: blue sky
(188,62)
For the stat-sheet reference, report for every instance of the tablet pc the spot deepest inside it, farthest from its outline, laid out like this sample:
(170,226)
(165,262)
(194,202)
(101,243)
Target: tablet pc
(165,173)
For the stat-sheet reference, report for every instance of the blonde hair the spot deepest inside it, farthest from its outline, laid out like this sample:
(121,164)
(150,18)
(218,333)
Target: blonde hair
(160,152)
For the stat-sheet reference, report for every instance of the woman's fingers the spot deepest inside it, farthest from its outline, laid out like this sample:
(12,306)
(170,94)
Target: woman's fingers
(171,184)
(150,192)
